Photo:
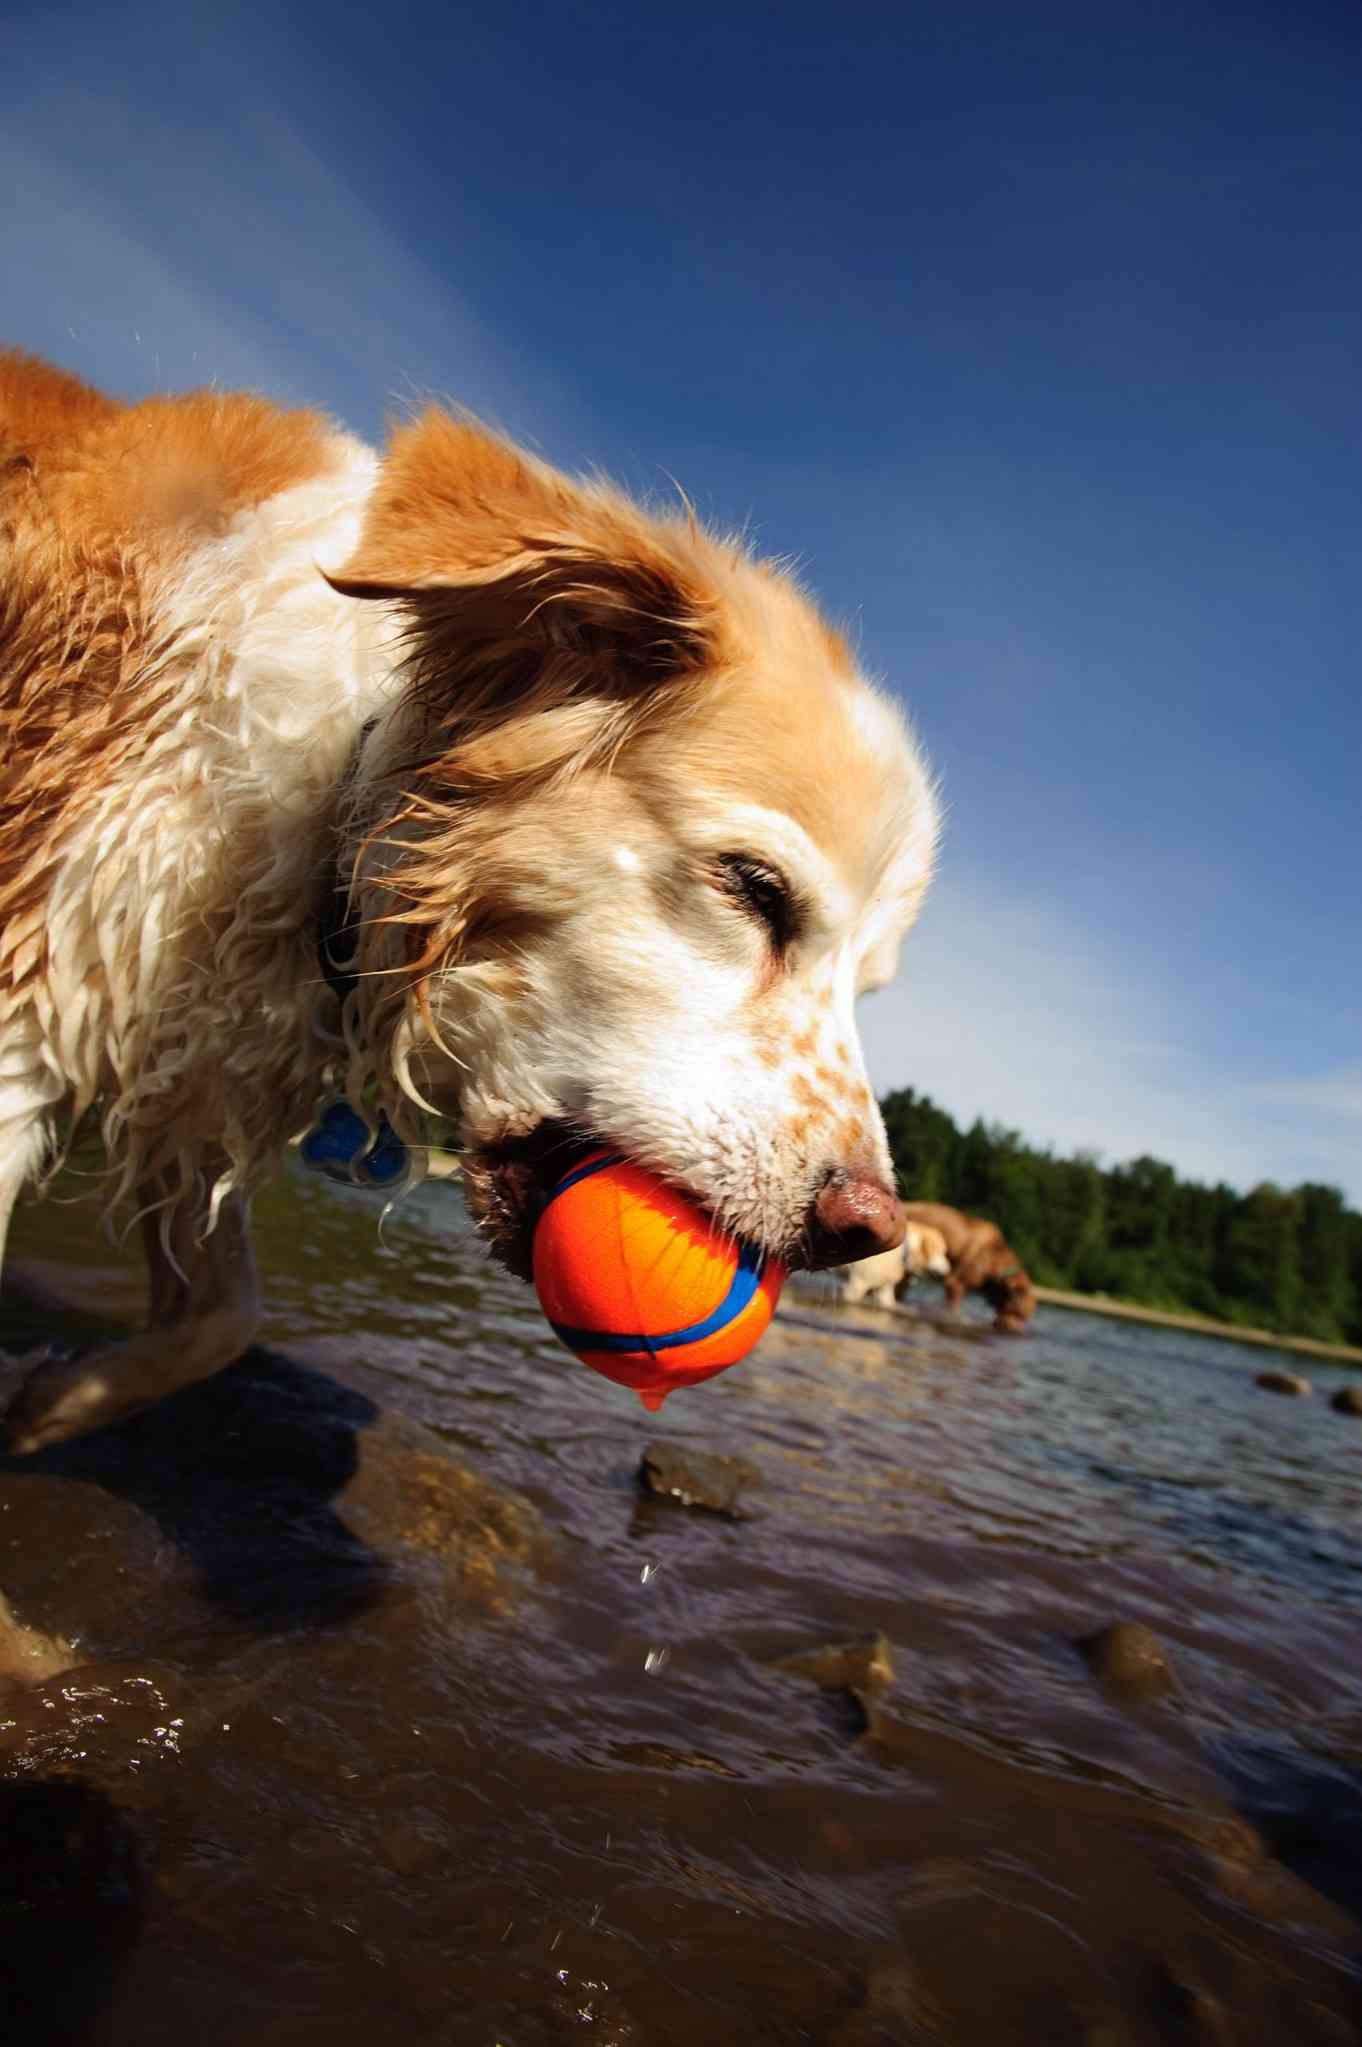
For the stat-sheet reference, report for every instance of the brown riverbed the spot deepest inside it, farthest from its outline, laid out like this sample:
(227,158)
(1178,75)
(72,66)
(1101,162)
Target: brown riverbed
(361,1695)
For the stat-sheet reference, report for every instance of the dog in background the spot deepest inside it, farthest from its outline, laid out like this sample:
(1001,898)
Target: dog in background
(436,780)
(884,1275)
(981,1262)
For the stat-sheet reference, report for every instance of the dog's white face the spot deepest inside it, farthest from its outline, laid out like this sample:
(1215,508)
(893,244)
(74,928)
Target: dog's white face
(926,1251)
(635,897)
(689,994)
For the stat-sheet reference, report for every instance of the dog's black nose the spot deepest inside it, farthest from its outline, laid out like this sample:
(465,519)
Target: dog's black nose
(853,1217)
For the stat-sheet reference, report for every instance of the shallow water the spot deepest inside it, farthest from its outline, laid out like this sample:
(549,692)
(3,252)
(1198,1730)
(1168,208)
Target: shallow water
(307,1781)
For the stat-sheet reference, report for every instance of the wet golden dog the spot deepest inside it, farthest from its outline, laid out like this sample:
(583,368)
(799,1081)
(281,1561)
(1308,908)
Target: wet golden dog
(618,832)
(981,1261)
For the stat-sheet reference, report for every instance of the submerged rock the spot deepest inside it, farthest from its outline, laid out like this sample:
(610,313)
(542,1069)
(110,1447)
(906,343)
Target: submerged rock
(271,1498)
(862,1670)
(893,2009)
(410,1494)
(1130,1659)
(697,1478)
(1284,1382)
(28,1656)
(864,1664)
(1347,1400)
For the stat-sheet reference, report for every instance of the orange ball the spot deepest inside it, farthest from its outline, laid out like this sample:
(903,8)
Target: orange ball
(638,1281)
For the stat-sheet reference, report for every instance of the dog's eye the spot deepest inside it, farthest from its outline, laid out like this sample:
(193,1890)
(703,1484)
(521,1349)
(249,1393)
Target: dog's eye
(763,893)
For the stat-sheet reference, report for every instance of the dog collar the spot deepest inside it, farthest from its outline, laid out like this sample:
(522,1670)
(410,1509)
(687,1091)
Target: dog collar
(346,1148)
(340,1143)
(337,929)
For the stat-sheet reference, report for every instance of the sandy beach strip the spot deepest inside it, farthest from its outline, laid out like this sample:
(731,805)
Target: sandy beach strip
(1199,1325)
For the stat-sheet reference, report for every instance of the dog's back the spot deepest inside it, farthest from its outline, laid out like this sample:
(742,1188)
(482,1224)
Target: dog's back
(42,406)
(139,790)
(981,1260)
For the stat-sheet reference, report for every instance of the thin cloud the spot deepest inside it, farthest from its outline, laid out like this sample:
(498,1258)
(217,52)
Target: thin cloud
(1338,1093)
(99,299)
(1008,1011)
(301,288)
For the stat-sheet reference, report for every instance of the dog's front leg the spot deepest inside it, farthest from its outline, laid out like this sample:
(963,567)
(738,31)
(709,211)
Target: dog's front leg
(205,1305)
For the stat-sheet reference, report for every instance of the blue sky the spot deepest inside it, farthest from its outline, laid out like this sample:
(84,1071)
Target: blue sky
(1032,332)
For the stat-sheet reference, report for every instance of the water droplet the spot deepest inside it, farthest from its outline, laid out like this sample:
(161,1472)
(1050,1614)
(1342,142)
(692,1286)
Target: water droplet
(654,1397)
(648,1573)
(655,1660)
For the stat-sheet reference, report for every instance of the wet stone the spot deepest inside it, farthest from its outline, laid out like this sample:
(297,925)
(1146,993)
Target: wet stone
(1229,1841)
(29,1655)
(1284,1382)
(697,1478)
(409,1493)
(1130,1659)
(1347,1400)
(894,2010)
(414,1846)
(863,1665)
(862,1670)
(1275,1895)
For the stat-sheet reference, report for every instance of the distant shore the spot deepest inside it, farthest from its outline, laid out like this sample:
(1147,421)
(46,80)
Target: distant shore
(1200,1325)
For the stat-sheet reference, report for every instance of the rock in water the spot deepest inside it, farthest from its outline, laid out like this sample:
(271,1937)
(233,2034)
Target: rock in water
(1130,1658)
(697,1478)
(1283,1382)
(893,2009)
(1347,1400)
(862,1669)
(864,1664)
(271,1498)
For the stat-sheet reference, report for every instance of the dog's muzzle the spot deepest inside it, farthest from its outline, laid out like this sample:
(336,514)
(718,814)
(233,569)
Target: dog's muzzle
(852,1217)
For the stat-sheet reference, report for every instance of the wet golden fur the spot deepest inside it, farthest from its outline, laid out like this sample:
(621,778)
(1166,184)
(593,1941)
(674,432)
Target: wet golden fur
(100,505)
(981,1261)
(540,733)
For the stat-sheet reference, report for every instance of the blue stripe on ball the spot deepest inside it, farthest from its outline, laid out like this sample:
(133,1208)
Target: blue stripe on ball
(611,1158)
(748,1277)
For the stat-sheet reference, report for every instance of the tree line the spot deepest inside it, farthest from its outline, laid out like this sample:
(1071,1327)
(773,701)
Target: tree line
(1285,1259)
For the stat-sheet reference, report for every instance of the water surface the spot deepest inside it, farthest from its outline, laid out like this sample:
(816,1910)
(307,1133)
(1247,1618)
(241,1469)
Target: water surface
(587,1803)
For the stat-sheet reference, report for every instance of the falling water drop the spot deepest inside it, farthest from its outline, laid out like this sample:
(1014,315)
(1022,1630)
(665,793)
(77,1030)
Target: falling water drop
(656,1660)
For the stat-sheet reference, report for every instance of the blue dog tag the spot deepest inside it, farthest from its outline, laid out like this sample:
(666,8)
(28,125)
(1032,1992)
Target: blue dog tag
(341,1145)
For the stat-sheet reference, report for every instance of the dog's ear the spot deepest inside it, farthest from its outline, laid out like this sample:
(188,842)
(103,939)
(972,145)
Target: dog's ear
(488,548)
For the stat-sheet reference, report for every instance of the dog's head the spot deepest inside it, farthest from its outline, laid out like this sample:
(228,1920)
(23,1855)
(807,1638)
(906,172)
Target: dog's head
(927,1251)
(1013,1300)
(631,839)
